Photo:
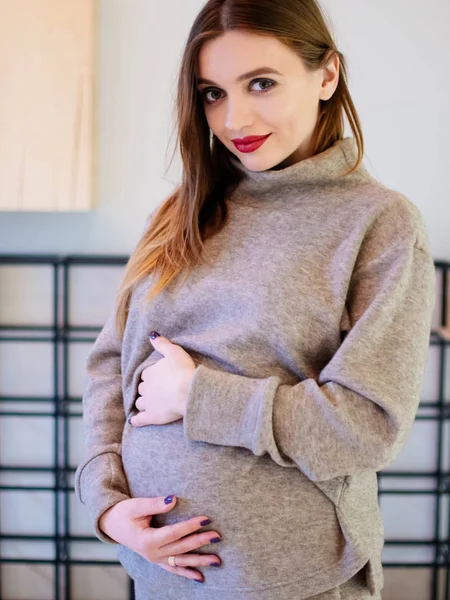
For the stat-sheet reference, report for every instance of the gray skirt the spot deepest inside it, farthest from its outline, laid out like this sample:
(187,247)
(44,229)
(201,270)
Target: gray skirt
(354,588)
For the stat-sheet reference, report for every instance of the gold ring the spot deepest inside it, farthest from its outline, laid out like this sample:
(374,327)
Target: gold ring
(171,561)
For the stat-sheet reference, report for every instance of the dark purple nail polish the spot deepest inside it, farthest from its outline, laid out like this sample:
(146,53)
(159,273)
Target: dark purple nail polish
(129,421)
(154,334)
(214,564)
(215,540)
(205,522)
(199,580)
(168,500)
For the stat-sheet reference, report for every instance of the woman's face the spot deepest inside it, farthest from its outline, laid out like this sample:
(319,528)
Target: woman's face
(281,100)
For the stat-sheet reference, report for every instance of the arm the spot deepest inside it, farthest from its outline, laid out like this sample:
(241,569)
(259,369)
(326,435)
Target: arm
(359,412)
(100,481)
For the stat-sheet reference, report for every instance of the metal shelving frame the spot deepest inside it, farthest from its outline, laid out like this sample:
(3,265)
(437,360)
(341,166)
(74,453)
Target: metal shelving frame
(62,334)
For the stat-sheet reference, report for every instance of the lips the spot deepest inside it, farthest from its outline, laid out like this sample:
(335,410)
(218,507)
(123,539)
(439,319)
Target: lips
(250,143)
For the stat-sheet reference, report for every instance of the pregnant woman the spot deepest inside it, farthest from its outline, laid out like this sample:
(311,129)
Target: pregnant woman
(267,348)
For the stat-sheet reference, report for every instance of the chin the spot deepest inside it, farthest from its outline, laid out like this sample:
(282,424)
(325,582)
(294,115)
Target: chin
(253,162)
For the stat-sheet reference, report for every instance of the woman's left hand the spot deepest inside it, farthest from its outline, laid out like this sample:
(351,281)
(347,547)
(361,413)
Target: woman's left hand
(164,385)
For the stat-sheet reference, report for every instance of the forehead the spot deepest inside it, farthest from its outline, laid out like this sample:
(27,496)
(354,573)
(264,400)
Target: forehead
(236,52)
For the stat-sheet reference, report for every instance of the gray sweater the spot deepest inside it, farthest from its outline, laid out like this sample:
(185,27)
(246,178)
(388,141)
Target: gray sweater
(310,332)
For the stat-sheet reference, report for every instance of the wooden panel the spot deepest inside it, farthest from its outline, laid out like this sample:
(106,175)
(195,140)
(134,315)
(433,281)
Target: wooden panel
(47,76)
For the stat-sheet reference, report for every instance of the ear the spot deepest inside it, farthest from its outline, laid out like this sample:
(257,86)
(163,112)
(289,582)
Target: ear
(330,77)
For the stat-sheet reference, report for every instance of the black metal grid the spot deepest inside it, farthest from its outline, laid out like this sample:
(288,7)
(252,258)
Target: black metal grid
(61,334)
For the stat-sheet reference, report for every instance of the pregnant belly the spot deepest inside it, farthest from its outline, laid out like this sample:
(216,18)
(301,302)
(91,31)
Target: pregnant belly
(276,525)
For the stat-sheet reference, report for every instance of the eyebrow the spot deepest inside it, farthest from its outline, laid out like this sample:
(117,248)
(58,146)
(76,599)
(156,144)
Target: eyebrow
(254,73)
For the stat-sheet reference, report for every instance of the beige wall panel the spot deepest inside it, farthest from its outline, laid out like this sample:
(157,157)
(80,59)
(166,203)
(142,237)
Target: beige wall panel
(47,88)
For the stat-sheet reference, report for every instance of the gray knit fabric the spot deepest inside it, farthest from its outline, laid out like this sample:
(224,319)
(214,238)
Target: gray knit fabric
(310,329)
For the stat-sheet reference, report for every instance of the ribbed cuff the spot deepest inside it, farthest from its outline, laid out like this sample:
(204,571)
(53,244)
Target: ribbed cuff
(223,408)
(101,483)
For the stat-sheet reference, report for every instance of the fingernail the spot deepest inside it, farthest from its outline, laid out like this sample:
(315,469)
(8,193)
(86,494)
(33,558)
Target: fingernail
(215,540)
(129,421)
(214,564)
(205,522)
(154,334)
(168,500)
(199,580)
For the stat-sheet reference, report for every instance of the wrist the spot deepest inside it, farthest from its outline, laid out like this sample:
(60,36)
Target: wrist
(187,381)
(103,519)
(101,523)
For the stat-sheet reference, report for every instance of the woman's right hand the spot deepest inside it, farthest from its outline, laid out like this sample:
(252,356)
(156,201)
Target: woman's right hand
(128,523)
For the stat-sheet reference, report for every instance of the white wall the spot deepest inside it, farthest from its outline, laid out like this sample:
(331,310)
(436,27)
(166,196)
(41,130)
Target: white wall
(398,53)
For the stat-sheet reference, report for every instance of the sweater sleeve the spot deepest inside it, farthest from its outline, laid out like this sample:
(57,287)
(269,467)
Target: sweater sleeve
(100,481)
(359,412)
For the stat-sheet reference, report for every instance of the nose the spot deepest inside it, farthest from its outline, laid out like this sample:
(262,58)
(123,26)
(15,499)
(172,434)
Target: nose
(238,115)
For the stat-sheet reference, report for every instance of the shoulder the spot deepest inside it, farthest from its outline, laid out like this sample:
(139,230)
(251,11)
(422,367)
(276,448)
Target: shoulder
(387,213)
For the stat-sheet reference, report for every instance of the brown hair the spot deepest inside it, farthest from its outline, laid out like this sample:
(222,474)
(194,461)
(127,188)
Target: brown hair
(174,239)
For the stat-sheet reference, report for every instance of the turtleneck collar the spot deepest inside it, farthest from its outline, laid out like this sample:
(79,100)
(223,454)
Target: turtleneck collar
(325,167)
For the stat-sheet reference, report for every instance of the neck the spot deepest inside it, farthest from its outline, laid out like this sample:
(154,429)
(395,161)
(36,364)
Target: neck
(324,168)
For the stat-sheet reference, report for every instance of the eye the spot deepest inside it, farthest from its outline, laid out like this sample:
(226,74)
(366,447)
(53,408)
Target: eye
(263,83)
(210,91)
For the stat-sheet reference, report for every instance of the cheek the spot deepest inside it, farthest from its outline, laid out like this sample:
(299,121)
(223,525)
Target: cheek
(279,115)
(215,120)
(273,111)
(291,114)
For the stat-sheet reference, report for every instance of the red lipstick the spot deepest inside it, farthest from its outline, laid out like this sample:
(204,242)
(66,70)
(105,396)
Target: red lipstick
(250,143)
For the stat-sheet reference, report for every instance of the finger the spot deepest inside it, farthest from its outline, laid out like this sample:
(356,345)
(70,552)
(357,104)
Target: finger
(192,542)
(171,533)
(188,573)
(146,507)
(147,373)
(142,419)
(153,417)
(163,345)
(196,560)
(139,404)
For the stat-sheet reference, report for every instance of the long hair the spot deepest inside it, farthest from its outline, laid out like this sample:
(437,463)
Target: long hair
(174,239)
